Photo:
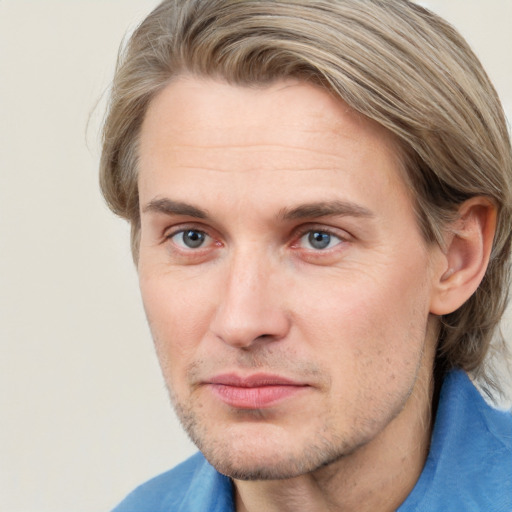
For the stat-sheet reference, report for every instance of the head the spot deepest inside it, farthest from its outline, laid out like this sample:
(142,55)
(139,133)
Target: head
(420,81)
(404,71)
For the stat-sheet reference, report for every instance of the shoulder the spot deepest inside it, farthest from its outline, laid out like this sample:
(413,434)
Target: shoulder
(470,459)
(470,422)
(193,481)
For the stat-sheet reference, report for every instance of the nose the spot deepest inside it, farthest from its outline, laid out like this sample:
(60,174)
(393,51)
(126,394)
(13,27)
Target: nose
(251,307)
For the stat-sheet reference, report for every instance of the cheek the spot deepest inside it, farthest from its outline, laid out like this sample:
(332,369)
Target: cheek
(369,320)
(177,317)
(375,357)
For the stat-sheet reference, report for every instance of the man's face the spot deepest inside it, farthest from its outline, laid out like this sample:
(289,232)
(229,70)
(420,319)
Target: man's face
(285,279)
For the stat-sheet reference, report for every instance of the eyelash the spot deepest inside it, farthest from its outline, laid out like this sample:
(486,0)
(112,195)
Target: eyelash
(310,254)
(169,235)
(305,230)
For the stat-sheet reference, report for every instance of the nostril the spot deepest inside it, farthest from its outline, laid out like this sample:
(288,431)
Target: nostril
(264,336)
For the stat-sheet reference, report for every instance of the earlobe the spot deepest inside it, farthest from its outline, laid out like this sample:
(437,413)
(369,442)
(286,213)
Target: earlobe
(468,248)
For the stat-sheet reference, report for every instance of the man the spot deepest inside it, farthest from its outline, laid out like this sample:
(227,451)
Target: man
(320,197)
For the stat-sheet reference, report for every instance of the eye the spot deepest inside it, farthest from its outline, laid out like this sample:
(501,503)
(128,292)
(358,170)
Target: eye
(190,238)
(318,240)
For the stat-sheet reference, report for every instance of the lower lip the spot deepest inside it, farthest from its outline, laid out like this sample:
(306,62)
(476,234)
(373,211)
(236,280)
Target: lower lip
(254,397)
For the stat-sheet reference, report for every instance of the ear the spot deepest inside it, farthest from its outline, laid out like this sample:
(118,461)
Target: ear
(464,262)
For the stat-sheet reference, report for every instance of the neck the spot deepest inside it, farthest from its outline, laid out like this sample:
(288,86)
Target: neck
(377,476)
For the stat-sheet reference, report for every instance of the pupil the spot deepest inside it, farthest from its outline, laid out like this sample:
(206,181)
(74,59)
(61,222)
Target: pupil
(193,239)
(319,239)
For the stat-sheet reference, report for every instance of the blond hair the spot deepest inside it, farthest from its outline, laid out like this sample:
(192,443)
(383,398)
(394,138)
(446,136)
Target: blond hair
(391,60)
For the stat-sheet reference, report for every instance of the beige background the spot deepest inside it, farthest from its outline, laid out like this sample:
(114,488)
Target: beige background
(84,415)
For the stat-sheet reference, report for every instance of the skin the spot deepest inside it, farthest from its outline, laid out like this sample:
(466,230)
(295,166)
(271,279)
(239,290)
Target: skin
(246,176)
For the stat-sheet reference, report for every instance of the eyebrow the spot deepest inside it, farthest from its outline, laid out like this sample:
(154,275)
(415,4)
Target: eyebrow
(170,207)
(304,211)
(325,209)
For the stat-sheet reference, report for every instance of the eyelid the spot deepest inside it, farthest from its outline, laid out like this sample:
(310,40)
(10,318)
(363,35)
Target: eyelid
(308,228)
(172,231)
(206,239)
(327,256)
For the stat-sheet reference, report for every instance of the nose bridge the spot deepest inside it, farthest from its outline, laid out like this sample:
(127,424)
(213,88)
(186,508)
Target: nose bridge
(250,305)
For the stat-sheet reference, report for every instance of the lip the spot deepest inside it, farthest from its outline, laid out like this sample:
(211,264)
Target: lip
(257,391)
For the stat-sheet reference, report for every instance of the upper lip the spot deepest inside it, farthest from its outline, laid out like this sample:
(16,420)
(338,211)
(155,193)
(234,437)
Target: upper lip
(252,381)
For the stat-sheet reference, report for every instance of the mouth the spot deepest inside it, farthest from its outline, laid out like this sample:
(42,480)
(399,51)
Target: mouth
(256,391)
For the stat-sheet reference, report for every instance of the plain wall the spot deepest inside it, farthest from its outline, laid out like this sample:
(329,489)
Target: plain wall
(84,412)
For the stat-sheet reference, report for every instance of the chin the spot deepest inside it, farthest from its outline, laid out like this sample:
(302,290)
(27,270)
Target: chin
(276,467)
(265,452)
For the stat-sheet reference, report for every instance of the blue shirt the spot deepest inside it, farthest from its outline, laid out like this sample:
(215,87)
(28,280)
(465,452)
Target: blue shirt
(468,469)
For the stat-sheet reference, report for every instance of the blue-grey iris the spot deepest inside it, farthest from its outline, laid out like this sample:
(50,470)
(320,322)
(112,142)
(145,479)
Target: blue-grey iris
(319,239)
(193,239)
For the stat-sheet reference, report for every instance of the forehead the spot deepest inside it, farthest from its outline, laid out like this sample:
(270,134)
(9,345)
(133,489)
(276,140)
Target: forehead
(298,113)
(200,132)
